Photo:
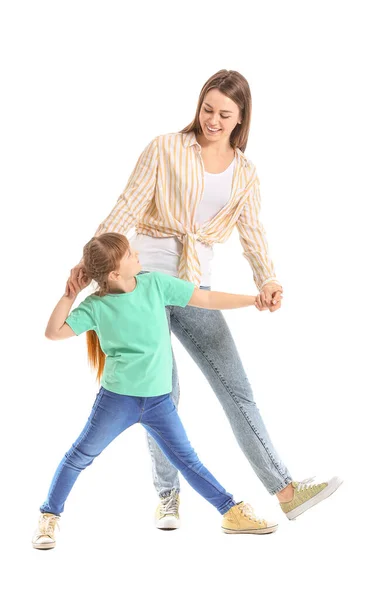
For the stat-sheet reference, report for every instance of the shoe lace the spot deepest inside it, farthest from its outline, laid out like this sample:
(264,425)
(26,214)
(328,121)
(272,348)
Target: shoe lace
(47,524)
(248,511)
(169,505)
(305,484)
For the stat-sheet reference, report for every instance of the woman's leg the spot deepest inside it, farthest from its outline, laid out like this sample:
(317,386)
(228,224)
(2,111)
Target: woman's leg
(165,475)
(161,420)
(206,336)
(108,418)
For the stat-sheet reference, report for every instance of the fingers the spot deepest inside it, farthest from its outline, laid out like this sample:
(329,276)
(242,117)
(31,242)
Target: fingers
(77,281)
(265,300)
(260,303)
(277,296)
(275,306)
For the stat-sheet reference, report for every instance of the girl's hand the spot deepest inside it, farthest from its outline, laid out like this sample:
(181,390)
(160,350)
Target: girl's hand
(77,281)
(259,303)
(270,297)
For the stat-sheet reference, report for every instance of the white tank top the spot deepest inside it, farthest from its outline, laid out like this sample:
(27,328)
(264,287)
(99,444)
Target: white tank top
(163,254)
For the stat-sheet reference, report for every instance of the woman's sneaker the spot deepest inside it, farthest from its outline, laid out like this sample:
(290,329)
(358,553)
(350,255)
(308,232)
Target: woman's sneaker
(166,515)
(306,495)
(241,519)
(44,537)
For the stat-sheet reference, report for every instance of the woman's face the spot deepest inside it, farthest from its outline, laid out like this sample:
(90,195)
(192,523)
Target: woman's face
(218,116)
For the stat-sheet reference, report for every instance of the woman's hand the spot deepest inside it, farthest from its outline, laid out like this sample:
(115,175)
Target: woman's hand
(77,281)
(270,297)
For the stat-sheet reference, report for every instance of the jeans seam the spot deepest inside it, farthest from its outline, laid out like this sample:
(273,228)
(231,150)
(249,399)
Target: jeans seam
(142,410)
(155,477)
(181,461)
(230,392)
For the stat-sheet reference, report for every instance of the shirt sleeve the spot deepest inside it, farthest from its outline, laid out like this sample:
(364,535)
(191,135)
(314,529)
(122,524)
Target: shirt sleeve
(253,238)
(138,193)
(175,291)
(82,319)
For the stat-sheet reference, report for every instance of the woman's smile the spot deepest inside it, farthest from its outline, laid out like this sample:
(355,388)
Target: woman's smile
(212,130)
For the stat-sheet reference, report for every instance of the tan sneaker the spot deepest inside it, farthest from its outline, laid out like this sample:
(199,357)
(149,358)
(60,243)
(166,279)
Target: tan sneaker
(44,536)
(241,519)
(307,494)
(166,515)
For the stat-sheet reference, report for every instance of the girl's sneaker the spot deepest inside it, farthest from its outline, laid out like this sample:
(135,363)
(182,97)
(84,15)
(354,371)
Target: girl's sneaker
(241,519)
(166,515)
(44,537)
(307,495)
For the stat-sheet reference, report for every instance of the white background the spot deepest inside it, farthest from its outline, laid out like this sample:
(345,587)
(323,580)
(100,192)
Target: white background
(86,85)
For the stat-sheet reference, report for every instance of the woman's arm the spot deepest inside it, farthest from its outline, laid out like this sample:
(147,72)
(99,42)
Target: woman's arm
(255,248)
(219,300)
(138,193)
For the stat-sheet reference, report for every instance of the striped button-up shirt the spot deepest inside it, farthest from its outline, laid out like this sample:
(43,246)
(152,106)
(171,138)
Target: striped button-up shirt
(163,192)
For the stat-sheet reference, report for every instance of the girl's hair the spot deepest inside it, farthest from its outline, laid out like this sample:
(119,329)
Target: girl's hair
(235,86)
(101,255)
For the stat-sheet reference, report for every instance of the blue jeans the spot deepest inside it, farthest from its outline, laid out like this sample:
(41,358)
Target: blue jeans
(207,338)
(113,413)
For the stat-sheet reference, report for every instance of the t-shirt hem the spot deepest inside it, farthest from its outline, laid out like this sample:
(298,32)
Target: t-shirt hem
(130,392)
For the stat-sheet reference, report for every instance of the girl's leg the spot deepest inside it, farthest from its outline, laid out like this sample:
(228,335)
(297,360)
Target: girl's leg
(161,420)
(165,475)
(206,336)
(111,414)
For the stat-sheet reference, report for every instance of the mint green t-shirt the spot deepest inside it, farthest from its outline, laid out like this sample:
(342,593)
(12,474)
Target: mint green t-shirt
(133,332)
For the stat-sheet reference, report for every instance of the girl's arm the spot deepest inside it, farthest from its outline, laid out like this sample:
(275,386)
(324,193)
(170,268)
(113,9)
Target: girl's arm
(56,328)
(220,300)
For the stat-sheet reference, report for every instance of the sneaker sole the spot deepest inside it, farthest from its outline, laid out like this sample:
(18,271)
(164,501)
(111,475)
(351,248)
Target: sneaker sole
(44,546)
(257,531)
(169,524)
(325,493)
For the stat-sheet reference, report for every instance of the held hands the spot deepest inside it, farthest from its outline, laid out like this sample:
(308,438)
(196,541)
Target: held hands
(77,281)
(270,297)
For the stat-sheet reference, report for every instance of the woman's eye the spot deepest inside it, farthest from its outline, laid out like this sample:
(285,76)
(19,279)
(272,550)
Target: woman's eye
(209,111)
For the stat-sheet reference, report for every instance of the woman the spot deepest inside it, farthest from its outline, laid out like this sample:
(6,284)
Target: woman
(188,191)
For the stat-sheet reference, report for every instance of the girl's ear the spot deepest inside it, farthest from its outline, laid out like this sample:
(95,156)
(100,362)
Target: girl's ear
(113,276)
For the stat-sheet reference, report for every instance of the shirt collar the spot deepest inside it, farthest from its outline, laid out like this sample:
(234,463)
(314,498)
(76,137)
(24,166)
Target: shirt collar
(190,140)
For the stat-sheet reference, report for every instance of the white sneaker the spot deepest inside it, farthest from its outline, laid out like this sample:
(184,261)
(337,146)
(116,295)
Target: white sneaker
(166,515)
(44,536)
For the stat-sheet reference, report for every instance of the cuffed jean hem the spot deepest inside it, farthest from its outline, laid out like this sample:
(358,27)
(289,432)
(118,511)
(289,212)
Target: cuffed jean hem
(227,507)
(51,512)
(169,492)
(281,487)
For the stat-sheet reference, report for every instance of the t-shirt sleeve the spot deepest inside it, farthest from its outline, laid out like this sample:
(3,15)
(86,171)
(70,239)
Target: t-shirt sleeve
(176,292)
(82,319)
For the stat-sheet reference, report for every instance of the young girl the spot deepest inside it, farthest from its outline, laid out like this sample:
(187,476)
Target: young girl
(129,345)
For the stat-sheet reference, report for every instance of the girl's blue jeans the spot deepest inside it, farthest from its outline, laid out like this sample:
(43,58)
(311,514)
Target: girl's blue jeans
(207,338)
(113,413)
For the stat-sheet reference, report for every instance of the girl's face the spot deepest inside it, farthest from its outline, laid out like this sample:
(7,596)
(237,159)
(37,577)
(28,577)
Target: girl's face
(129,266)
(218,116)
